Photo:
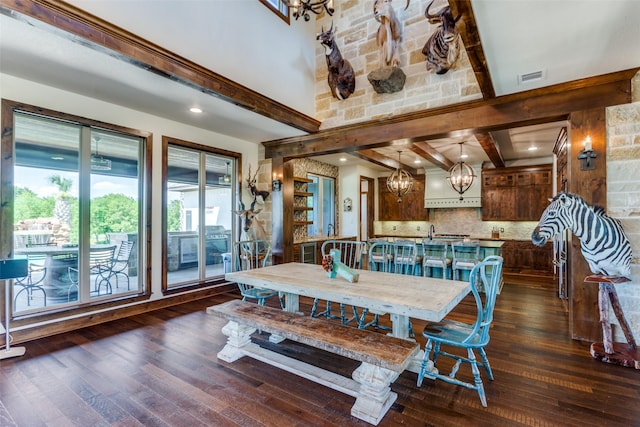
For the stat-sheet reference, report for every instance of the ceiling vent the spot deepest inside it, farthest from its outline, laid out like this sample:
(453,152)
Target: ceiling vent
(531,77)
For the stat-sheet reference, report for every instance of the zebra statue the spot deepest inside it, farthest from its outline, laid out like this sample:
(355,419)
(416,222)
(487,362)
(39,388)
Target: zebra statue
(602,240)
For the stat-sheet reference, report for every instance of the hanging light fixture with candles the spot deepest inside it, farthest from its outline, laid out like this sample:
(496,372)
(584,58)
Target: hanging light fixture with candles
(99,163)
(461,175)
(303,7)
(400,182)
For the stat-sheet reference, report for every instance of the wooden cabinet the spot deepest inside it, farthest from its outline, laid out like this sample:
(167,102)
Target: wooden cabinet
(516,194)
(523,257)
(560,150)
(410,209)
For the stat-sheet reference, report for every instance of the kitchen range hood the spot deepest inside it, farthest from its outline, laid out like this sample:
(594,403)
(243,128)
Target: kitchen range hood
(439,194)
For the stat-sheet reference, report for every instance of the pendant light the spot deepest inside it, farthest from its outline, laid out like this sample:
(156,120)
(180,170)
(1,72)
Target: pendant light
(99,163)
(461,175)
(226,178)
(400,182)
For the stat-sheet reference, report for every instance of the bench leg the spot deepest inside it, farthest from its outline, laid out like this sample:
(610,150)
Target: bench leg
(239,336)
(375,396)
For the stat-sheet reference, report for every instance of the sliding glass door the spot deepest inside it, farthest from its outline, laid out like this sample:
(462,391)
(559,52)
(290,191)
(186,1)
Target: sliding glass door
(77,193)
(199,214)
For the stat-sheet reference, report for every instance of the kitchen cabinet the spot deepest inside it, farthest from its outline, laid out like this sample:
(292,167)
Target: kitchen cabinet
(410,209)
(516,194)
(523,257)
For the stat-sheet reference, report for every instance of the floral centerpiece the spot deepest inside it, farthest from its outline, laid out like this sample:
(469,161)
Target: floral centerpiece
(328,265)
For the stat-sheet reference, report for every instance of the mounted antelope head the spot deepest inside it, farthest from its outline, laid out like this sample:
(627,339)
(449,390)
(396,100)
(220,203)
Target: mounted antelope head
(252,229)
(389,33)
(251,183)
(442,48)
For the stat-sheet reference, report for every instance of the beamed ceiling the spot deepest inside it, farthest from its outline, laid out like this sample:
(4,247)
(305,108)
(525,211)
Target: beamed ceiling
(496,129)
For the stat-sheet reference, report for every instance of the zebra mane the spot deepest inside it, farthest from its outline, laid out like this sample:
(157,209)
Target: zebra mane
(597,209)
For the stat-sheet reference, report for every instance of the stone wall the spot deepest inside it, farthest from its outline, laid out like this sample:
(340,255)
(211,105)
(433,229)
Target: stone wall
(355,32)
(623,195)
(456,221)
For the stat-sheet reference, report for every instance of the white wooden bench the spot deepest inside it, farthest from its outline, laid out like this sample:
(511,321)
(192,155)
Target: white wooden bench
(383,357)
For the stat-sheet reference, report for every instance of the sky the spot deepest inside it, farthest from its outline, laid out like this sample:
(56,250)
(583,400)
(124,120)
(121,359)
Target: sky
(37,180)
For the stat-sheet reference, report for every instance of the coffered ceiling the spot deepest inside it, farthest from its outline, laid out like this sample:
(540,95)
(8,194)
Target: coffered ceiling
(563,40)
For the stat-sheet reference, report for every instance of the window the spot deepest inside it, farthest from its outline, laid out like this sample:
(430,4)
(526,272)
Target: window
(324,203)
(279,7)
(74,208)
(200,185)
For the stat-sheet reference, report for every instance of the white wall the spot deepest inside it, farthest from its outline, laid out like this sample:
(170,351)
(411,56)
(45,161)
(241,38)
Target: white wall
(47,97)
(239,39)
(349,186)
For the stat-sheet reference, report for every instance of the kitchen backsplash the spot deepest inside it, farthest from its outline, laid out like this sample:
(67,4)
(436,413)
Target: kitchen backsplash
(456,221)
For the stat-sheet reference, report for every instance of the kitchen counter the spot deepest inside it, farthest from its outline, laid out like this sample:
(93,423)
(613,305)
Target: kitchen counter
(311,239)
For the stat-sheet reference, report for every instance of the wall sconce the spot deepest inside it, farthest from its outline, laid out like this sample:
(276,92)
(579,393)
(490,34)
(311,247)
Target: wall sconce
(586,155)
(276,184)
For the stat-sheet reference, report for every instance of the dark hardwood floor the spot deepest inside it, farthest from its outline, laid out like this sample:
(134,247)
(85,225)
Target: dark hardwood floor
(160,369)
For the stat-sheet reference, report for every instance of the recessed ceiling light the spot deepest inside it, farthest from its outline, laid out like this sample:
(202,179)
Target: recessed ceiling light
(195,110)
(417,161)
(464,156)
(532,148)
(343,159)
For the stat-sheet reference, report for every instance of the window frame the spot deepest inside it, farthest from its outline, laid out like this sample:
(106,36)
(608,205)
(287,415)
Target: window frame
(282,12)
(7,194)
(236,184)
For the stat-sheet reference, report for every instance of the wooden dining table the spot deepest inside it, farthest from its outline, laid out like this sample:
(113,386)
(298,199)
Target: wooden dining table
(401,296)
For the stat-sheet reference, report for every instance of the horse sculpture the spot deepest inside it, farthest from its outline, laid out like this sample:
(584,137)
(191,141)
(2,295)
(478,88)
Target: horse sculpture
(602,240)
(341,77)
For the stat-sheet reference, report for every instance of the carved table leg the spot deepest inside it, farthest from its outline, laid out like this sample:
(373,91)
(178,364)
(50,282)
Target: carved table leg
(239,336)
(375,396)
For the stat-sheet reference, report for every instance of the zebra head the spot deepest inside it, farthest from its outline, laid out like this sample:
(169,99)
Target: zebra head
(554,220)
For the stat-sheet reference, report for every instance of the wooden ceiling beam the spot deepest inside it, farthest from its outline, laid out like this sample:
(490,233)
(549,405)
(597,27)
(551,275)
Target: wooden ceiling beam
(490,146)
(430,154)
(548,104)
(381,160)
(471,39)
(101,35)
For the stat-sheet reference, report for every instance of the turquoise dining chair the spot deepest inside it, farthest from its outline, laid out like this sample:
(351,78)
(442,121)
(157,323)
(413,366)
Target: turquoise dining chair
(470,337)
(397,258)
(250,254)
(436,255)
(351,253)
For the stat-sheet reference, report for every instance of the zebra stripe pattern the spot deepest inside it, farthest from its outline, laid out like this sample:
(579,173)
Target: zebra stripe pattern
(603,242)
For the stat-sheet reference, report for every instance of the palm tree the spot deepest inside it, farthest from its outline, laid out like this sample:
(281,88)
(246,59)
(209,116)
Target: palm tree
(62,209)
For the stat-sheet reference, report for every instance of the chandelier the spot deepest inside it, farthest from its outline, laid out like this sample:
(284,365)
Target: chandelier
(400,182)
(303,7)
(461,175)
